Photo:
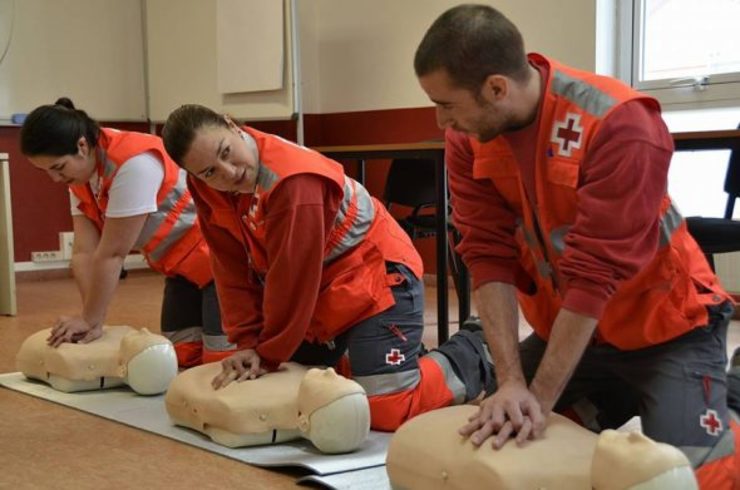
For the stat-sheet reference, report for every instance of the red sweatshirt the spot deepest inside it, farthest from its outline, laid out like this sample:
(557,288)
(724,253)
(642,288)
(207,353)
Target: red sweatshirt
(274,320)
(622,182)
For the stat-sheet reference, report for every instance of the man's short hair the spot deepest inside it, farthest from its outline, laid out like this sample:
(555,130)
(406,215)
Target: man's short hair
(471,42)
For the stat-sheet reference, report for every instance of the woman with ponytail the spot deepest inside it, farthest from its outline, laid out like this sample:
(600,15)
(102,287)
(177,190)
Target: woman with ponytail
(126,193)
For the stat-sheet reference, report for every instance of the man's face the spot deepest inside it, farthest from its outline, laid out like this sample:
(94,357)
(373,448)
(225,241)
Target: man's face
(480,115)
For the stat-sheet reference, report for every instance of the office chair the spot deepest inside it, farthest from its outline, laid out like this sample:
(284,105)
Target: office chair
(412,182)
(720,235)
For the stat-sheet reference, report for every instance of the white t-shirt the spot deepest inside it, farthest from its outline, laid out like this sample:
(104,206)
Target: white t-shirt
(134,188)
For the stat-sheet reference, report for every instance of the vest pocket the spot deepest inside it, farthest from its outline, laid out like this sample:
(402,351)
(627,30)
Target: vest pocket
(563,171)
(352,287)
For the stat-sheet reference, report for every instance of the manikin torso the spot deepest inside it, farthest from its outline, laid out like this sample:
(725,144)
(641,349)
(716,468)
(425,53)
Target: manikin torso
(290,403)
(122,355)
(569,457)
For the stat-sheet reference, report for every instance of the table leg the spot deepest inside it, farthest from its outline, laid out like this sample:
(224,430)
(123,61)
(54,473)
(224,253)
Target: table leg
(441,238)
(361,171)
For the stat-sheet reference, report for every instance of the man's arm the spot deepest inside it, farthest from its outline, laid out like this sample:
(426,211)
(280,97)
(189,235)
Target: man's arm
(513,408)
(489,250)
(615,234)
(569,337)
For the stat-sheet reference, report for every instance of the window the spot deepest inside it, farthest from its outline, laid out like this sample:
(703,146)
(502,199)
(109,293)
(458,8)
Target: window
(683,51)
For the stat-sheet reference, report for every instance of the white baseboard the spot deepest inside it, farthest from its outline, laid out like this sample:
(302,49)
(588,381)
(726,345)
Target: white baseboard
(133,261)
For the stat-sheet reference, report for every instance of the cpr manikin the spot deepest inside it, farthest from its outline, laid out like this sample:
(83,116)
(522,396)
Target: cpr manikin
(317,404)
(122,355)
(569,457)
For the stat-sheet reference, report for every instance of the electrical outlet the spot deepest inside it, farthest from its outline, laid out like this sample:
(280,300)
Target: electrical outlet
(66,241)
(47,256)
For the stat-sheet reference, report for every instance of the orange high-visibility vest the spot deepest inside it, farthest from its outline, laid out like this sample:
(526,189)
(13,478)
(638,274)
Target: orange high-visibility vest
(354,282)
(171,240)
(664,300)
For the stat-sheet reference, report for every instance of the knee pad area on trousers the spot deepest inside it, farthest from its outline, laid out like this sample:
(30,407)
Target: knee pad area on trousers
(468,354)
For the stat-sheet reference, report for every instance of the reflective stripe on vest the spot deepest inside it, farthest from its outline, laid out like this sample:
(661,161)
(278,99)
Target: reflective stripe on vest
(354,218)
(582,94)
(109,168)
(384,384)
(178,197)
(669,223)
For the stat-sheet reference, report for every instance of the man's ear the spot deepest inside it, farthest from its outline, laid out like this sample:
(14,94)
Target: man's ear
(495,88)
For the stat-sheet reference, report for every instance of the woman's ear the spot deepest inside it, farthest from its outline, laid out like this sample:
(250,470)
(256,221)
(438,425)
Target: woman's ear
(83,148)
(232,125)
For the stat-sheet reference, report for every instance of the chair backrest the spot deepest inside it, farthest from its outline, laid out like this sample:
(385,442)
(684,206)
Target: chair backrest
(411,182)
(732,181)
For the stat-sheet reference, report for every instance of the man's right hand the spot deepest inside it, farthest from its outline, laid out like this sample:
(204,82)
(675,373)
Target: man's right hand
(512,410)
(240,366)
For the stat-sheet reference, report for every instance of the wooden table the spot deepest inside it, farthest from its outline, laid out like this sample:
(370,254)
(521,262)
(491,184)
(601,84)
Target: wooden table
(433,151)
(708,140)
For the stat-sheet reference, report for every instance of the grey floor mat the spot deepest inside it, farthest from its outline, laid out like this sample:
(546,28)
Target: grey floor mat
(148,413)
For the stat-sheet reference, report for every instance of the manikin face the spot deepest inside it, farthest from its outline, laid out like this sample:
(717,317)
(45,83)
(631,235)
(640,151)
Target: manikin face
(68,169)
(222,158)
(482,117)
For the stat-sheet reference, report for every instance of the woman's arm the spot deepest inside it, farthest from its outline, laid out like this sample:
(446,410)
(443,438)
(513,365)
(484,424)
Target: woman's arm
(98,277)
(86,239)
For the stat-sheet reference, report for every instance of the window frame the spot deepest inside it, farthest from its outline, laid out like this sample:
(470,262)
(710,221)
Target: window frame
(692,92)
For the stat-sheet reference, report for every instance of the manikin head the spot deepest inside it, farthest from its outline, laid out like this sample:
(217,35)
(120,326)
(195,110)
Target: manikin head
(60,140)
(211,147)
(149,360)
(334,413)
(632,461)
(473,66)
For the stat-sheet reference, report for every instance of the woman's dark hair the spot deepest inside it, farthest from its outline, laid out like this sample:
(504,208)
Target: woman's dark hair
(182,124)
(55,129)
(471,42)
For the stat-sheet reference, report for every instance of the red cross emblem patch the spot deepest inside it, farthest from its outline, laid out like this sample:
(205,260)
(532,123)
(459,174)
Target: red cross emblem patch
(394,358)
(567,134)
(711,422)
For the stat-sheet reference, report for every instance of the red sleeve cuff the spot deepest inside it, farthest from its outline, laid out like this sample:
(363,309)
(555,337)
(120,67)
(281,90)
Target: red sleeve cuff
(486,271)
(244,342)
(585,302)
(266,361)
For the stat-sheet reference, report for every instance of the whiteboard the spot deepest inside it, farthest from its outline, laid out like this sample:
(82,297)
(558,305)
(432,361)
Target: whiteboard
(89,50)
(182,62)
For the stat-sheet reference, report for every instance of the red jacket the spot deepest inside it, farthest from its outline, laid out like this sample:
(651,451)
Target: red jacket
(350,272)
(171,240)
(667,297)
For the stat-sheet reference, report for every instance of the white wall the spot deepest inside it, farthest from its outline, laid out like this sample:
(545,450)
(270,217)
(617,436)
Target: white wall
(88,50)
(182,64)
(367,47)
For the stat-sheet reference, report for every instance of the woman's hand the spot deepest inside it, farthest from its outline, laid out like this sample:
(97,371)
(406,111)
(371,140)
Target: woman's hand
(242,365)
(73,329)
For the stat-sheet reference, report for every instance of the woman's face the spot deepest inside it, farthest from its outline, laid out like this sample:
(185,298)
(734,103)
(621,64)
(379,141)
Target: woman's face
(69,169)
(220,157)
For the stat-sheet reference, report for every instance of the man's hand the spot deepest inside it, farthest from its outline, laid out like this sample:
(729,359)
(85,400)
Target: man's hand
(242,365)
(513,409)
(73,329)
